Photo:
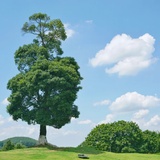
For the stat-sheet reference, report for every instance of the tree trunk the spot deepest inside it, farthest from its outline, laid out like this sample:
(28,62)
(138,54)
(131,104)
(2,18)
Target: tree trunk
(42,137)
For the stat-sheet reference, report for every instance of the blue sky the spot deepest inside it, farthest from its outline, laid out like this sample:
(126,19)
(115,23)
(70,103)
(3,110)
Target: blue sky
(116,44)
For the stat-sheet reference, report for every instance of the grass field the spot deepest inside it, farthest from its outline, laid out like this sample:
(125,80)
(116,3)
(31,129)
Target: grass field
(70,154)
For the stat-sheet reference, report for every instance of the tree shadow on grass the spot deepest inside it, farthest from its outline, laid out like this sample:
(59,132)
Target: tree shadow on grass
(83,150)
(79,149)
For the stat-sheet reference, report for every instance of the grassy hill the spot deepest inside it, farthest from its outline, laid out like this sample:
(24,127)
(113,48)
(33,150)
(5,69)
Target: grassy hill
(71,154)
(23,140)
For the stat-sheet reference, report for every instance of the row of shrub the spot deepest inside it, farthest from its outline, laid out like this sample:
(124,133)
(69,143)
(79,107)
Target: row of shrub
(123,137)
(10,146)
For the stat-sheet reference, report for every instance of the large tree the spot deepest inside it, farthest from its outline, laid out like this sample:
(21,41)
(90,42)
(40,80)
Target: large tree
(45,89)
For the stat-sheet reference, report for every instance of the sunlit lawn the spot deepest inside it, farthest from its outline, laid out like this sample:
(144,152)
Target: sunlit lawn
(70,154)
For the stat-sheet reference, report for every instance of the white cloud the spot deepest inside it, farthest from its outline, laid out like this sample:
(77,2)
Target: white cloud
(135,107)
(1,120)
(12,129)
(10,119)
(85,122)
(69,32)
(140,114)
(102,103)
(133,101)
(73,119)
(89,21)
(70,132)
(154,121)
(5,102)
(126,55)
(109,118)
(60,137)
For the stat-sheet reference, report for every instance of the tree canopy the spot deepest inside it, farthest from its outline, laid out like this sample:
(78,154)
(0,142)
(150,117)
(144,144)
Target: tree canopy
(123,136)
(45,89)
(49,33)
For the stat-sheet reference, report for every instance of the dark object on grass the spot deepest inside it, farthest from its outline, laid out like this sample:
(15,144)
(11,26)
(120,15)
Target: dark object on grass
(83,156)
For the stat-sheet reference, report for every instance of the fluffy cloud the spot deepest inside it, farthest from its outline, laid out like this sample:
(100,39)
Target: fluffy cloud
(89,21)
(109,118)
(132,106)
(140,114)
(126,55)
(133,101)
(102,103)
(69,32)
(11,129)
(154,121)
(60,137)
(85,122)
(5,102)
(1,120)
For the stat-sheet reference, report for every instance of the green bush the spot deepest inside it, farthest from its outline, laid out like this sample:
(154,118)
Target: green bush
(128,150)
(151,142)
(8,146)
(19,146)
(124,137)
(115,136)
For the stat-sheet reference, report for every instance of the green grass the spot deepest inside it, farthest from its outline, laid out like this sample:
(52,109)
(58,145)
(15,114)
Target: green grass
(70,154)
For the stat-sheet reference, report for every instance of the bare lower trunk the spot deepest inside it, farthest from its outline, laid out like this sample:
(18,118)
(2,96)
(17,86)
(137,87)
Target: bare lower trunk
(42,137)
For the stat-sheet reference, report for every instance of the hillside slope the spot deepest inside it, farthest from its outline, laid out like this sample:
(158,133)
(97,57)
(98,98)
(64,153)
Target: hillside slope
(23,140)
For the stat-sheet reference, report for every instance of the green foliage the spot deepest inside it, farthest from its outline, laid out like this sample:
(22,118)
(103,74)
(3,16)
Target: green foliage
(151,142)
(115,136)
(19,146)
(128,150)
(45,89)
(25,141)
(8,146)
(49,33)
(26,56)
(45,93)
(1,144)
(123,137)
